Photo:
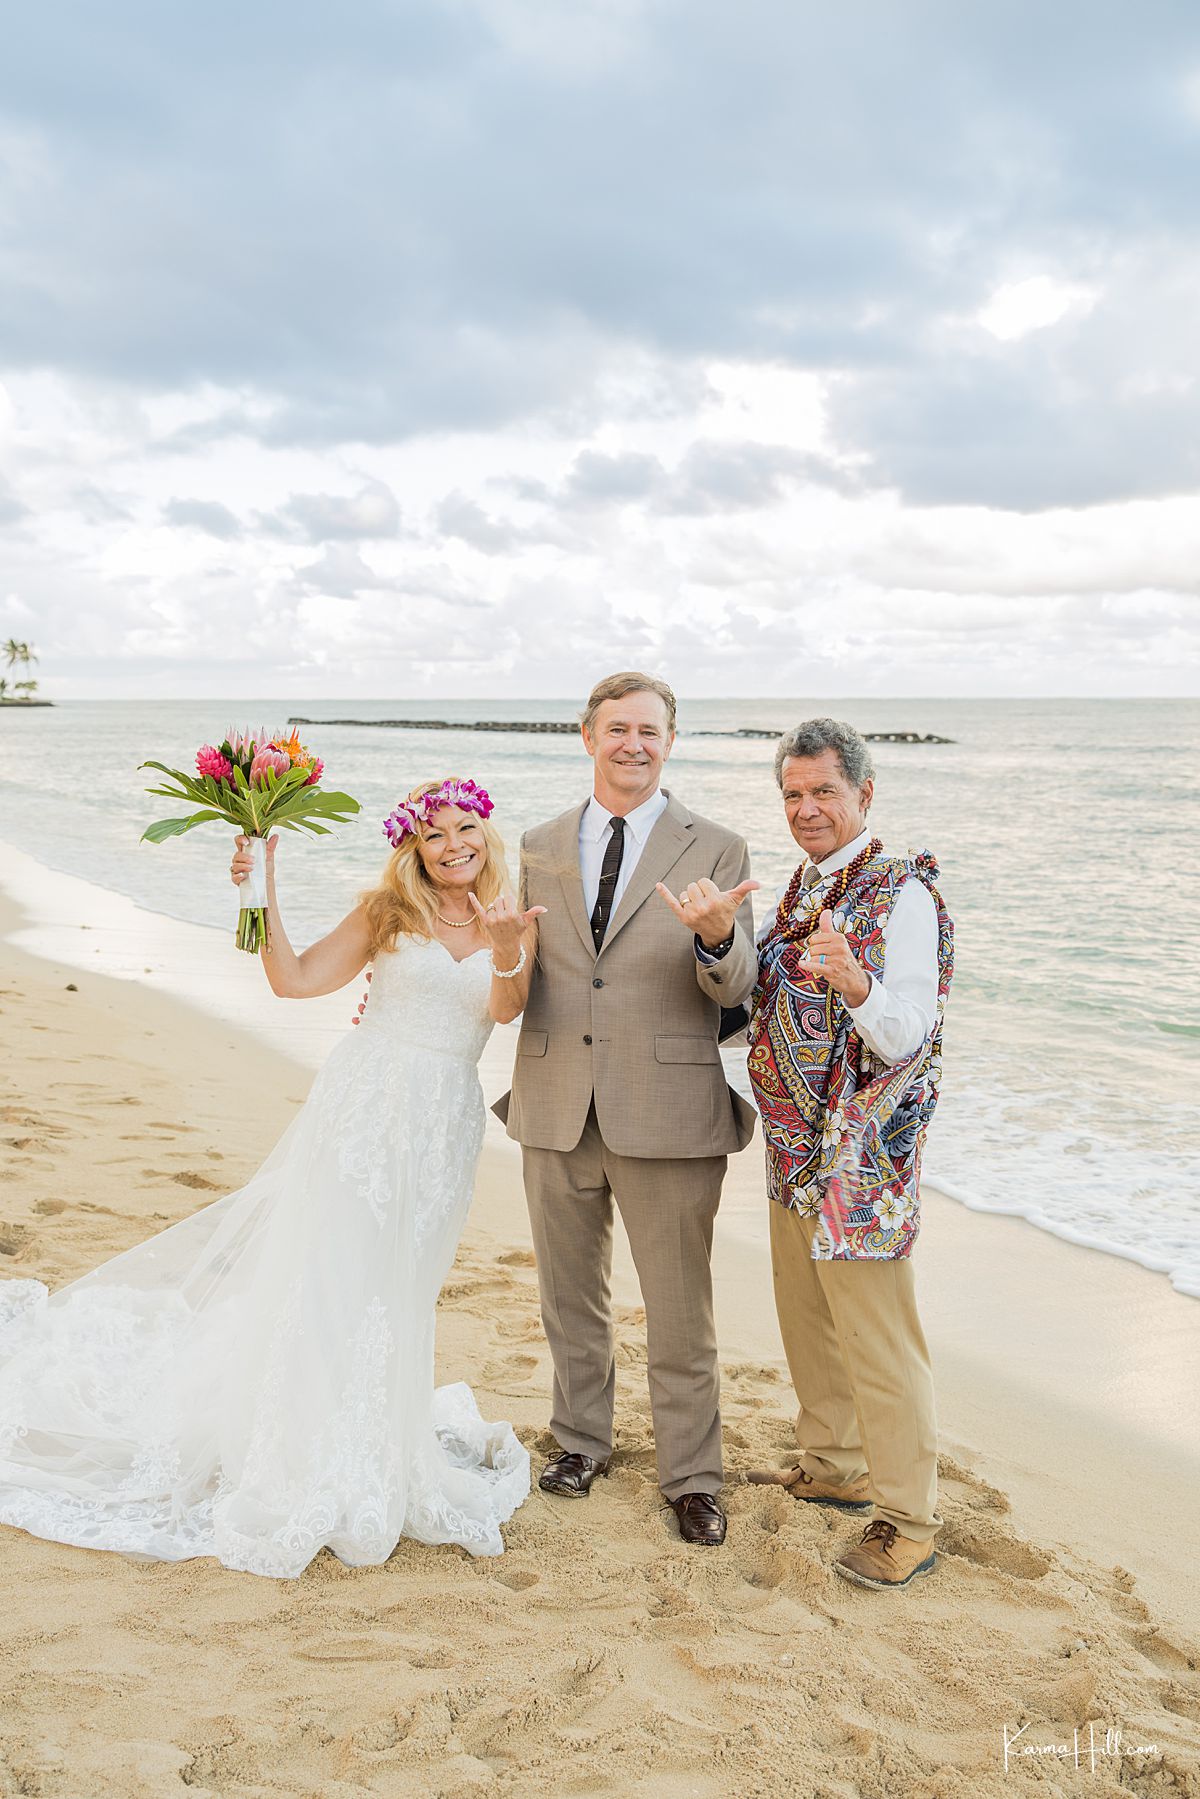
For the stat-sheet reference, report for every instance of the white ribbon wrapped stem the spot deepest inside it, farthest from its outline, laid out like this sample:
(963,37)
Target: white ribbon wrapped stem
(253,891)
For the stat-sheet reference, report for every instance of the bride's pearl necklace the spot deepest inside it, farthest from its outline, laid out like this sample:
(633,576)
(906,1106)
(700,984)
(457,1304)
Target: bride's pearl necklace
(456,924)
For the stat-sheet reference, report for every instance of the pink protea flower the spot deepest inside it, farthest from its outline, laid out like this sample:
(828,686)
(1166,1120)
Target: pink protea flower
(277,760)
(210,761)
(317,770)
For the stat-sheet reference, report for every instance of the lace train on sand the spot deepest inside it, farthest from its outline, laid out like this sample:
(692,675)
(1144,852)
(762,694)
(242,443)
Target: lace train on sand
(256,1382)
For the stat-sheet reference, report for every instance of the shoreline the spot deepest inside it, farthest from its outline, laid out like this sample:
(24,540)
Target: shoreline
(190,961)
(1062,1594)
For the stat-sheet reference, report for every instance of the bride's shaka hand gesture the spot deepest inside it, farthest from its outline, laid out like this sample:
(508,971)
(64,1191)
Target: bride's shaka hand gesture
(706,911)
(504,926)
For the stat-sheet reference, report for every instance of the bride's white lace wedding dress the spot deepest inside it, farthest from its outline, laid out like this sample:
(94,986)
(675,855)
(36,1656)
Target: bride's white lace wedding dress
(256,1382)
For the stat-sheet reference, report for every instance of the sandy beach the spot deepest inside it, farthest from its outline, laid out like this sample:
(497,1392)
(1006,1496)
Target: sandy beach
(600,1655)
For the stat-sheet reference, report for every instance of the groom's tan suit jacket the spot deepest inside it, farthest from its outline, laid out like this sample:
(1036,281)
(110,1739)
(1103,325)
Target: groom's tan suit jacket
(635,1026)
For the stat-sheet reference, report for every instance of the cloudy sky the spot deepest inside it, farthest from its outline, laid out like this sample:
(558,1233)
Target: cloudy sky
(468,347)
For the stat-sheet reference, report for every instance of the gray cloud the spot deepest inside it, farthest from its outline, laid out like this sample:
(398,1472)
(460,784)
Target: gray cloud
(459,516)
(340,572)
(710,477)
(443,217)
(1098,409)
(732,477)
(208,516)
(599,479)
(325,517)
(11,508)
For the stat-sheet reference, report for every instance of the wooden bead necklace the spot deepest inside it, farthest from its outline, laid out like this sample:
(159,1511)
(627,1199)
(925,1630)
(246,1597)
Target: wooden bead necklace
(794,930)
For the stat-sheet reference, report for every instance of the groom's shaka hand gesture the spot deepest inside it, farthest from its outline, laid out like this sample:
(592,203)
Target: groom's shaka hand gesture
(504,925)
(706,911)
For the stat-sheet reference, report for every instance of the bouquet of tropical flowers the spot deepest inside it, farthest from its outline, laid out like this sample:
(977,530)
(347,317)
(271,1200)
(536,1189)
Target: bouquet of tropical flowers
(258,783)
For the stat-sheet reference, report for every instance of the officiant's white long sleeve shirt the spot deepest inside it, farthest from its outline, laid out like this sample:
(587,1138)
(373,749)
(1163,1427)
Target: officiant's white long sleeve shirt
(898,1013)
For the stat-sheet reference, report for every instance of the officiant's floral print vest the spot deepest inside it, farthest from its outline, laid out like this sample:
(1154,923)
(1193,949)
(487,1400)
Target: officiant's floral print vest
(844,1131)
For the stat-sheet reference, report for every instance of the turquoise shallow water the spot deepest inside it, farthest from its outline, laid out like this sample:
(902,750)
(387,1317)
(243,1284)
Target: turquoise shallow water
(1065,831)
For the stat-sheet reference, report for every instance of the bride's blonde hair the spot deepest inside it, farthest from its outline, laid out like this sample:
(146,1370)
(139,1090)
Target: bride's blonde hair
(405,902)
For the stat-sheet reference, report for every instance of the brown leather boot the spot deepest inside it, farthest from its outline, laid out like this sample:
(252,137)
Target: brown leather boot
(884,1559)
(851,1497)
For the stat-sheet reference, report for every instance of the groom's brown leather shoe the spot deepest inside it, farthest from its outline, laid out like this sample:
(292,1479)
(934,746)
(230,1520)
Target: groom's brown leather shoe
(701,1519)
(853,1496)
(570,1475)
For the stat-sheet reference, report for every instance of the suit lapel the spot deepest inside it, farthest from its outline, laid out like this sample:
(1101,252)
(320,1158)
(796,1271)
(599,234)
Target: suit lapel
(565,853)
(664,846)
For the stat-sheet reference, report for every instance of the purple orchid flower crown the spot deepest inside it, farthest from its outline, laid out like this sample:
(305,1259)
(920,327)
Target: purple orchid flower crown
(407,818)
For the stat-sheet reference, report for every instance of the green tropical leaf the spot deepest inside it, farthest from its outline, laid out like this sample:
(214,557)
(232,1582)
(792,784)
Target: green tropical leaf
(311,800)
(175,827)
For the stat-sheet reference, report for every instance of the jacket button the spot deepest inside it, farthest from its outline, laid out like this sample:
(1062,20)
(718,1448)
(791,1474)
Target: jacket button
(587,1038)
(597,982)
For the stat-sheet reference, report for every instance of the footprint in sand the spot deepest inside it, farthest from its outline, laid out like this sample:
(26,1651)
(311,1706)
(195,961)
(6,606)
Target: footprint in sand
(470,1287)
(14,1238)
(988,1546)
(979,1495)
(518,1332)
(377,1737)
(1171,1657)
(773,1567)
(49,1208)
(512,1368)
(184,1177)
(29,1121)
(350,1649)
(518,1580)
(1178,1699)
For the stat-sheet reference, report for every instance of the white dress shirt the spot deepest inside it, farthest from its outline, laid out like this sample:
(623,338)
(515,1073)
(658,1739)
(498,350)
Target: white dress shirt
(898,1013)
(594,838)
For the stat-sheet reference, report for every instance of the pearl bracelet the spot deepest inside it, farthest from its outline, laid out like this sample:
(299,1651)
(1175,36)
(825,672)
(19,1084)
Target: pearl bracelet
(506,974)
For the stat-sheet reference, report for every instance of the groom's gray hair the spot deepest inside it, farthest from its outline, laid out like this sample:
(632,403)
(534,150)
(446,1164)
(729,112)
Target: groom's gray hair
(815,736)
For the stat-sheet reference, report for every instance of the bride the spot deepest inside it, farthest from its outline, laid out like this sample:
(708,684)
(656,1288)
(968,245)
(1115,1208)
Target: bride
(256,1382)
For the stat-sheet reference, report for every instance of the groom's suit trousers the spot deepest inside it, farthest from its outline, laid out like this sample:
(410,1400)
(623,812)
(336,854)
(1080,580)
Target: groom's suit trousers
(861,1369)
(667,1207)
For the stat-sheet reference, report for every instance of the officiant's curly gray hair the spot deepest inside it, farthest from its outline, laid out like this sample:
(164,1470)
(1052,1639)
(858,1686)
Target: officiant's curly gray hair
(815,736)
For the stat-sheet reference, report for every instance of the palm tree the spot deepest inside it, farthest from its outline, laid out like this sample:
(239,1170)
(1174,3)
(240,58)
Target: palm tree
(19,655)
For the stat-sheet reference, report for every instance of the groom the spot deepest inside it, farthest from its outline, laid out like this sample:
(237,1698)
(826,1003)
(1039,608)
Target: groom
(619,1094)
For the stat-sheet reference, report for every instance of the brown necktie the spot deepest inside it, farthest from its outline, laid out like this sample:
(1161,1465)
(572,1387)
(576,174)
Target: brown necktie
(610,869)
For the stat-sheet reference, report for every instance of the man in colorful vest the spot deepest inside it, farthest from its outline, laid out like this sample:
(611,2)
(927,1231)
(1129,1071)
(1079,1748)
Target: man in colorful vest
(845,1060)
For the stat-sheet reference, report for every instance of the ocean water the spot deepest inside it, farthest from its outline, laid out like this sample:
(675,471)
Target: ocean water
(1065,830)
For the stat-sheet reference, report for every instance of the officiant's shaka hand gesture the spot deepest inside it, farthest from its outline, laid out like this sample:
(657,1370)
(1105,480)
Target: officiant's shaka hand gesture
(828,957)
(706,911)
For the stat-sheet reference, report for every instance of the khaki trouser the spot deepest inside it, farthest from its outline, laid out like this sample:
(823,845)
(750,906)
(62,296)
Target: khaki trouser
(861,1370)
(667,1207)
